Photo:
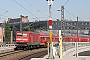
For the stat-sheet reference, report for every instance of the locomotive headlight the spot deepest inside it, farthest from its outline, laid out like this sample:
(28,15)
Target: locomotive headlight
(44,39)
(79,40)
(88,39)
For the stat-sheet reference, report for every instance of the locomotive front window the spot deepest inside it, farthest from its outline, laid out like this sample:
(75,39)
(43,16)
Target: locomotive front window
(19,34)
(25,34)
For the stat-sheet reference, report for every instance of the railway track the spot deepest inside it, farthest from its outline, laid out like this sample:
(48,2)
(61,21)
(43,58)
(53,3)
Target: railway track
(40,54)
(2,55)
(21,55)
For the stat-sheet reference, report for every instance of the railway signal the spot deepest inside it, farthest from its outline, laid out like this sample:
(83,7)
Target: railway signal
(50,27)
(47,44)
(50,2)
(50,24)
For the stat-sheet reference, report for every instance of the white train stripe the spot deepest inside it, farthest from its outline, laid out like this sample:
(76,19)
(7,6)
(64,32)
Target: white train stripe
(21,39)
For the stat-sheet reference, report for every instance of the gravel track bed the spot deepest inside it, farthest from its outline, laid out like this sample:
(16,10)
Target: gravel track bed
(19,55)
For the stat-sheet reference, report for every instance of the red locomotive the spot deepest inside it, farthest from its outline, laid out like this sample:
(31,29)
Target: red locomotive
(27,39)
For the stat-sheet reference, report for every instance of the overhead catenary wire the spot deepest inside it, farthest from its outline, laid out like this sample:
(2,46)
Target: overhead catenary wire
(3,13)
(38,9)
(25,9)
(70,13)
(66,2)
(47,14)
(8,12)
(13,14)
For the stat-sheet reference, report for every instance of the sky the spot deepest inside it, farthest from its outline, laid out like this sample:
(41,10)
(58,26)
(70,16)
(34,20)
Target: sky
(39,9)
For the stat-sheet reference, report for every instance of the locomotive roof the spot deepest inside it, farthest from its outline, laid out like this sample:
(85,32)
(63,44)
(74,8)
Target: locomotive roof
(26,31)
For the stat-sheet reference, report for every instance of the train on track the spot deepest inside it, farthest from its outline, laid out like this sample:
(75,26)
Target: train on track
(28,39)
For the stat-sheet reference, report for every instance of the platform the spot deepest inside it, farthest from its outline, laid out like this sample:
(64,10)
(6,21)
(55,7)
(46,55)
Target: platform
(7,48)
(69,51)
(65,58)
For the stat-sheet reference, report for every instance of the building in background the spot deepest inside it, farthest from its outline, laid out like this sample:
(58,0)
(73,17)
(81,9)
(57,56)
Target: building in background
(1,34)
(24,19)
(70,26)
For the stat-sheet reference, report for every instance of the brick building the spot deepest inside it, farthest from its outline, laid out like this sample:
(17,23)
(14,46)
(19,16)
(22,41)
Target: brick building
(24,19)
(1,34)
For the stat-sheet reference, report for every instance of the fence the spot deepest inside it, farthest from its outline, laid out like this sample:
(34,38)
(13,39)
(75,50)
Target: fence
(71,47)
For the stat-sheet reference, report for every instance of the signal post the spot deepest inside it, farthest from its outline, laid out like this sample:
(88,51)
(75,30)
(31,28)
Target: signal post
(51,45)
(50,28)
(60,44)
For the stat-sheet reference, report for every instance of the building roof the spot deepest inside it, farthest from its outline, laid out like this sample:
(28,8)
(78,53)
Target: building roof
(17,20)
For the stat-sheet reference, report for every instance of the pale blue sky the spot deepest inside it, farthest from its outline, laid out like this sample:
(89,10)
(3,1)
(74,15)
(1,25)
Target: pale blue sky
(79,8)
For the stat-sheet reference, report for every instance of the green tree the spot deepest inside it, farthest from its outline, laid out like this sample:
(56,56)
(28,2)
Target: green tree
(27,28)
(7,32)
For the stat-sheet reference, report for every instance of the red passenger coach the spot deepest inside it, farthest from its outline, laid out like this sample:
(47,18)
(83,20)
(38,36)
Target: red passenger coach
(84,38)
(44,37)
(73,38)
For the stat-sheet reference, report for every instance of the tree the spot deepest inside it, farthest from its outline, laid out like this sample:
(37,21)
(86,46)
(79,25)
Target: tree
(7,32)
(27,28)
